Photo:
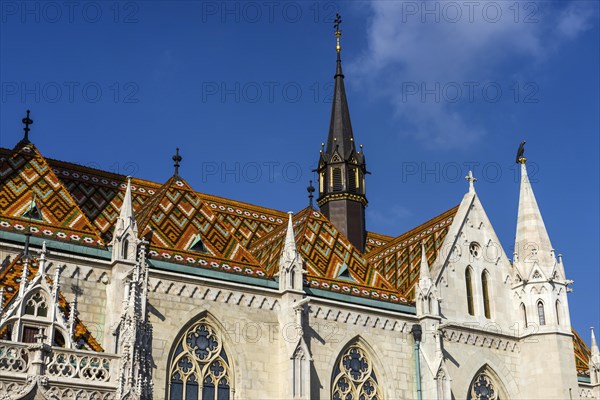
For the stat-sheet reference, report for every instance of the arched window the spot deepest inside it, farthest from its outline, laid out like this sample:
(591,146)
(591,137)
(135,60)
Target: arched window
(524,315)
(469,291)
(352,181)
(337,179)
(483,387)
(36,305)
(541,313)
(557,306)
(486,295)
(353,377)
(125,249)
(199,368)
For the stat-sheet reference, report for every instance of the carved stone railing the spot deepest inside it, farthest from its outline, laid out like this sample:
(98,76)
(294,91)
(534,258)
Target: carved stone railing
(59,373)
(14,358)
(87,366)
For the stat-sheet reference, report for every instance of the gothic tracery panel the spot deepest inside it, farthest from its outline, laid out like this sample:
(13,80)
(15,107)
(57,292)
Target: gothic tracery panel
(354,378)
(484,388)
(200,368)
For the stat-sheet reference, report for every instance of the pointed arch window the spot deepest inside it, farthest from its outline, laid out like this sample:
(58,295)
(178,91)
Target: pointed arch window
(125,250)
(336,179)
(557,306)
(469,284)
(200,368)
(483,388)
(486,294)
(36,305)
(354,378)
(524,315)
(541,313)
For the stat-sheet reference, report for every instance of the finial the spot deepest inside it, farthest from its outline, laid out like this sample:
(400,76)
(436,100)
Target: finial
(338,33)
(177,159)
(471,179)
(26,255)
(27,121)
(520,157)
(310,189)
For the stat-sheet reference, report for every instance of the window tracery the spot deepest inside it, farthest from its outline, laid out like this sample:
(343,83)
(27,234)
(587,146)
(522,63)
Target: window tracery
(36,306)
(200,366)
(483,388)
(354,378)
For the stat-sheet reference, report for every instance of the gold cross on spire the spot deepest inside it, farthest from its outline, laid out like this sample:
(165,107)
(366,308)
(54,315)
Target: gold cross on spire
(338,32)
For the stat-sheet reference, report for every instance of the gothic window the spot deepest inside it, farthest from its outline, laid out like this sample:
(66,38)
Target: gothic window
(200,367)
(337,179)
(36,306)
(541,313)
(524,314)
(483,388)
(352,184)
(486,296)
(125,248)
(354,378)
(557,306)
(470,307)
(475,250)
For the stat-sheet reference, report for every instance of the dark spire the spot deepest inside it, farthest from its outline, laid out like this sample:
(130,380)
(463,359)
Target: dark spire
(177,159)
(27,121)
(342,193)
(310,189)
(340,136)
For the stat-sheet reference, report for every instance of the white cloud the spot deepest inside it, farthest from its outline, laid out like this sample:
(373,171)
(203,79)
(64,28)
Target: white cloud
(449,44)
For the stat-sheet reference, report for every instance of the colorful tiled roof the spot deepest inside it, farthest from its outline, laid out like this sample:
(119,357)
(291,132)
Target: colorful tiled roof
(582,355)
(326,251)
(10,278)
(24,176)
(100,195)
(375,241)
(239,237)
(176,215)
(399,260)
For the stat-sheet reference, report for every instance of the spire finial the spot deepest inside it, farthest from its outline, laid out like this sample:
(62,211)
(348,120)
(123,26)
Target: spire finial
(310,189)
(338,33)
(27,121)
(471,179)
(520,157)
(177,159)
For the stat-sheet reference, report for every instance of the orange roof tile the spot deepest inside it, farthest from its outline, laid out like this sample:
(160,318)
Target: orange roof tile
(25,173)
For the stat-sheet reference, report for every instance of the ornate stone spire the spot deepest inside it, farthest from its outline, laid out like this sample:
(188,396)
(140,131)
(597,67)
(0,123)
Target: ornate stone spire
(594,348)
(125,236)
(532,242)
(289,248)
(290,264)
(424,276)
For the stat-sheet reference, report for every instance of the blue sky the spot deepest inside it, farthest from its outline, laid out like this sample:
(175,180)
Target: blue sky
(243,88)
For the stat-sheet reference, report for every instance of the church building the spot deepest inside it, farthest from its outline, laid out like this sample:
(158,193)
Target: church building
(115,287)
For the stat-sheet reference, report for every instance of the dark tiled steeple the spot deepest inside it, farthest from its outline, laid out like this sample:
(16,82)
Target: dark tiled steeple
(342,167)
